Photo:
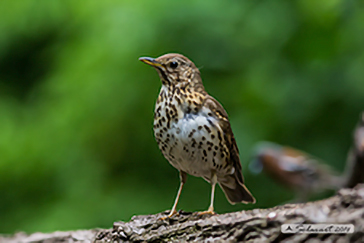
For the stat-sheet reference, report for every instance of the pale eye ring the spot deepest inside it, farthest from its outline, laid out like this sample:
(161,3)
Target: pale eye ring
(173,65)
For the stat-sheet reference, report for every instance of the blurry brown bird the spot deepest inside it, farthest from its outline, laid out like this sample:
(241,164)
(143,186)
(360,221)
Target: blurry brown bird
(193,131)
(294,169)
(354,172)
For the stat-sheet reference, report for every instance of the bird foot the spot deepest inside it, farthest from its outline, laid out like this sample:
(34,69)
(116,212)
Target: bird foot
(169,215)
(210,211)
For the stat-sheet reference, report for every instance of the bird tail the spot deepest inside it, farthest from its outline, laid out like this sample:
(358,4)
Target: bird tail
(235,191)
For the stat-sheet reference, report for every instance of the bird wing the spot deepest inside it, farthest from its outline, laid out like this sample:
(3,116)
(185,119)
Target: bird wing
(221,115)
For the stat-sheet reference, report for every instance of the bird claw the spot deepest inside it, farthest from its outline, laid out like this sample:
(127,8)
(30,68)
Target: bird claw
(169,215)
(208,212)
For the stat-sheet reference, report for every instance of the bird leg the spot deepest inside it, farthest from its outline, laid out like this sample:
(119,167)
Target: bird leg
(183,178)
(210,210)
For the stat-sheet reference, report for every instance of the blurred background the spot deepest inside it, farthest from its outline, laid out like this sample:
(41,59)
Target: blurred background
(76,106)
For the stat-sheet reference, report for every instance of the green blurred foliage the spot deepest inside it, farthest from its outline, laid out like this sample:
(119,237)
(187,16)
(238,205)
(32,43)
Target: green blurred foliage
(76,141)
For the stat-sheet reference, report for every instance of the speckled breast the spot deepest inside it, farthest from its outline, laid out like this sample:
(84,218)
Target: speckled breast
(190,141)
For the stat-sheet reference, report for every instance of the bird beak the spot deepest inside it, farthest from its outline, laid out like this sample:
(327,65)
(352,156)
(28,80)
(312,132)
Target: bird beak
(150,61)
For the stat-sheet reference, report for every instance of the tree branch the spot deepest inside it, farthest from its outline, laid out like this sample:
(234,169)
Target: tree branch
(258,225)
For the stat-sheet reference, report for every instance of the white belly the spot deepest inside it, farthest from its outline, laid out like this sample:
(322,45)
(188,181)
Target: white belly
(193,145)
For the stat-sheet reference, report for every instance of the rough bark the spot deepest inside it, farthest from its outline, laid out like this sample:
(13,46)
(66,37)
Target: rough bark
(258,225)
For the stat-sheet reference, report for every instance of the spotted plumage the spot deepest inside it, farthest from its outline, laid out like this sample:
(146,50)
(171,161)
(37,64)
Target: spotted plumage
(193,131)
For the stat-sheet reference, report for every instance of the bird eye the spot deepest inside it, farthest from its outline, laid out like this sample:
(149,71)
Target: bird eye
(173,64)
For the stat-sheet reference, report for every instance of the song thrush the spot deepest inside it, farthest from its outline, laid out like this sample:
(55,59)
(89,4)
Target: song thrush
(294,169)
(193,131)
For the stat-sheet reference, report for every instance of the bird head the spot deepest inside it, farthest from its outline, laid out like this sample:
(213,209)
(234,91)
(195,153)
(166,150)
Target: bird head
(174,69)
